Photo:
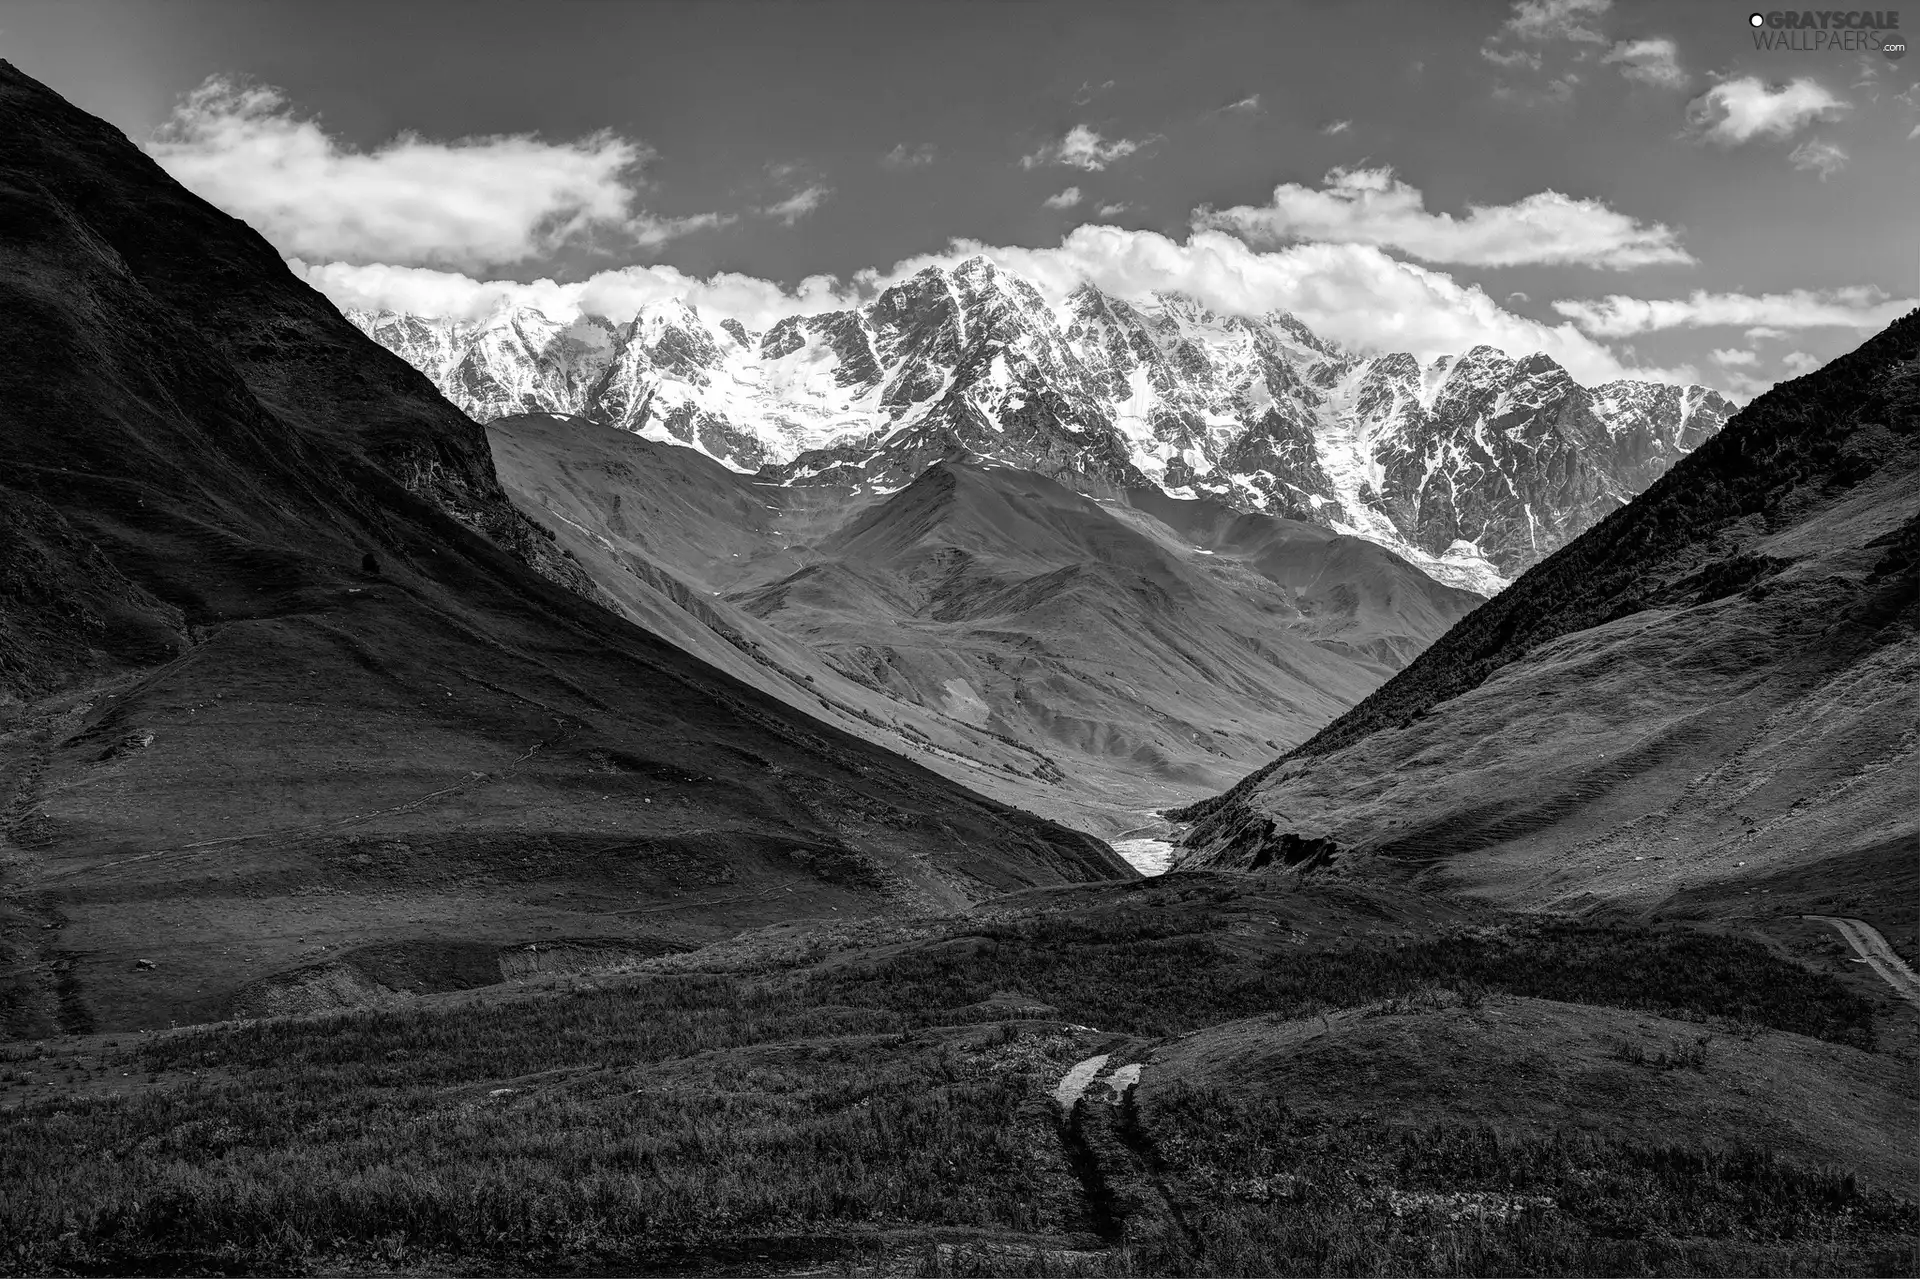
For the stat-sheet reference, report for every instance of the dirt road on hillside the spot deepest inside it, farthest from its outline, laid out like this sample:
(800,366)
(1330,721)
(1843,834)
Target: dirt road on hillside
(1872,947)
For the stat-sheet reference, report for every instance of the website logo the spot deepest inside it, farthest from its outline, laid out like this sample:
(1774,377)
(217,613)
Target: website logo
(1829,31)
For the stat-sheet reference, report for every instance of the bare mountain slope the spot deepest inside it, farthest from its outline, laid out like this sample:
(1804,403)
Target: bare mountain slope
(281,690)
(1091,660)
(656,526)
(1707,703)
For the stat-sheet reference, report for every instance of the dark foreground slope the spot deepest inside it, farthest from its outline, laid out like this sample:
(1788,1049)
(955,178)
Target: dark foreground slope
(1709,701)
(1093,660)
(286,717)
(1202,1073)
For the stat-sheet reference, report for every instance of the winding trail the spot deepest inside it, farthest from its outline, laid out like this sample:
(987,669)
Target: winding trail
(1872,947)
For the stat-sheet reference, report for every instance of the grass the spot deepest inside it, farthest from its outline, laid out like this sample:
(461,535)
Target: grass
(1691,1055)
(1266,1191)
(856,1109)
(1170,970)
(563,1142)
(1794,441)
(1252,1188)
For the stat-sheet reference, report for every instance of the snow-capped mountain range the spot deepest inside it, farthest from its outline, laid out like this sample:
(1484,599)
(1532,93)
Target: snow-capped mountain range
(1472,466)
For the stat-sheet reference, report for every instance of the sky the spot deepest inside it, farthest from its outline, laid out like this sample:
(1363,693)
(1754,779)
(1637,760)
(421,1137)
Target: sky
(1638,189)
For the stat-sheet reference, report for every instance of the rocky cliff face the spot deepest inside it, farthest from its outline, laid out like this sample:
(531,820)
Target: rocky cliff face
(1473,466)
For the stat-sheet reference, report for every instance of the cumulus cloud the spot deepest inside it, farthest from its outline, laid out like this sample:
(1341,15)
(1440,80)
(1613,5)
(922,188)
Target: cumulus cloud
(1065,200)
(1081,148)
(468,203)
(798,205)
(1372,206)
(1854,307)
(1740,110)
(1114,210)
(1799,363)
(1354,294)
(905,157)
(1249,105)
(1824,158)
(1655,61)
(1760,333)
(1728,358)
(1336,128)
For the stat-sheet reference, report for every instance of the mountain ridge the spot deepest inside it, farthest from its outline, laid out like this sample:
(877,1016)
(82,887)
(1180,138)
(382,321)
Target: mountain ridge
(1471,466)
(1089,659)
(1705,703)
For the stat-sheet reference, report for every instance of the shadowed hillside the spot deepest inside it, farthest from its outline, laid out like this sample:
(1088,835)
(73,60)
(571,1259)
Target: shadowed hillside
(286,677)
(1705,701)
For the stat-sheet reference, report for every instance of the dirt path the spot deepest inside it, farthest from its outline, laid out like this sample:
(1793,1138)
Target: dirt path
(1075,1081)
(1873,948)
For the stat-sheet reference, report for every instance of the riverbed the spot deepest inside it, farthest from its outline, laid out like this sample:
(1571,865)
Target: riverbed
(1148,856)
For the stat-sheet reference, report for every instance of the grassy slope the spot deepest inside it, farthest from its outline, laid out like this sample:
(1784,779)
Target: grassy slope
(1796,434)
(876,1096)
(1702,704)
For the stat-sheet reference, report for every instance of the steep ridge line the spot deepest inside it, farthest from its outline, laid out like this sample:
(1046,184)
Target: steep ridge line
(275,543)
(1746,470)
(1705,705)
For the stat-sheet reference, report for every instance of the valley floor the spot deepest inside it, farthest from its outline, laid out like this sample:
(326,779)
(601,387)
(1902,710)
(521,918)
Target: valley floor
(1198,1073)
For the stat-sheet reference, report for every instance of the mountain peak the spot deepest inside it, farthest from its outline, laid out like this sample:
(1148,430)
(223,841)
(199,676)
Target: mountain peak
(979,266)
(1103,393)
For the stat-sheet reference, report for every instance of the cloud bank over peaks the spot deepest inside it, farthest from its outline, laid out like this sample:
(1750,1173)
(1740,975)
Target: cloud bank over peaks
(617,294)
(1356,295)
(1373,206)
(475,202)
